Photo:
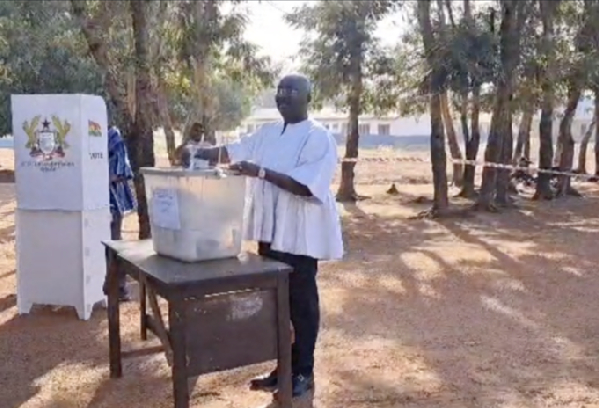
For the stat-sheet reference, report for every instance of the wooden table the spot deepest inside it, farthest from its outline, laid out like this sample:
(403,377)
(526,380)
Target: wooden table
(221,314)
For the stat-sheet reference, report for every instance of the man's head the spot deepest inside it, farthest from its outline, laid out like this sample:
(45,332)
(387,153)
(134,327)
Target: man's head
(196,132)
(293,96)
(524,162)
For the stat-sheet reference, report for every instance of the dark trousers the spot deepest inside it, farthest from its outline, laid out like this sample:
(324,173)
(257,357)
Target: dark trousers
(304,306)
(116,224)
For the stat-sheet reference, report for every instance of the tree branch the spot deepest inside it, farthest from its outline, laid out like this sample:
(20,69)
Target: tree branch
(97,48)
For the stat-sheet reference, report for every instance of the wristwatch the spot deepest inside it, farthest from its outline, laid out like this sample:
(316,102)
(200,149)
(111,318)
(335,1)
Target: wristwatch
(262,173)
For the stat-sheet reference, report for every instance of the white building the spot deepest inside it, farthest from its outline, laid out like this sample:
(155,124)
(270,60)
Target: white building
(584,116)
(337,122)
(392,126)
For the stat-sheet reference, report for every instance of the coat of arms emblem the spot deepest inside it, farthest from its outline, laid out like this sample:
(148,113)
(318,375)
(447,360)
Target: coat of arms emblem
(48,142)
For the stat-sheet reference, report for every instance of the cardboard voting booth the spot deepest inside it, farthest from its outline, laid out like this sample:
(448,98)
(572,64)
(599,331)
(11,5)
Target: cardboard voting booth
(61,176)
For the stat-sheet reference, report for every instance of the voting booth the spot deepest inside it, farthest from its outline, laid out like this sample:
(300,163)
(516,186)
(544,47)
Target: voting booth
(63,214)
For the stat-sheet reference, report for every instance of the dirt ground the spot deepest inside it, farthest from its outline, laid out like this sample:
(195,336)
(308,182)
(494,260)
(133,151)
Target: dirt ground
(489,311)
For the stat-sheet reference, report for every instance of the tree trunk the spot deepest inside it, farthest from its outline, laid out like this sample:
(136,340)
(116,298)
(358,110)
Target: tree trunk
(448,4)
(596,144)
(472,138)
(130,81)
(543,189)
(196,114)
(527,148)
(436,88)
(528,107)
(450,132)
(93,34)
(491,155)
(206,15)
(524,136)
(464,116)
(159,60)
(347,192)
(495,151)
(596,150)
(472,147)
(437,147)
(503,176)
(165,121)
(509,56)
(581,161)
(467,10)
(565,137)
(559,149)
(141,142)
(453,145)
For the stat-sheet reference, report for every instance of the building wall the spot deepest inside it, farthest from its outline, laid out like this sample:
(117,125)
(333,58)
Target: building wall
(414,126)
(582,120)
(337,122)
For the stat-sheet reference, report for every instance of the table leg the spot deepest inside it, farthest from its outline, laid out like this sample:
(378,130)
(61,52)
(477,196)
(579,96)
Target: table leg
(114,329)
(284,341)
(143,299)
(181,392)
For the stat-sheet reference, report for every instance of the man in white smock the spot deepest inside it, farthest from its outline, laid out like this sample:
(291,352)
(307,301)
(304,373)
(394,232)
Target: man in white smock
(292,213)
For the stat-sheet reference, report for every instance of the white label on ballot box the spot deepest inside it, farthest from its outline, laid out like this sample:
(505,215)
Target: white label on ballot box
(165,209)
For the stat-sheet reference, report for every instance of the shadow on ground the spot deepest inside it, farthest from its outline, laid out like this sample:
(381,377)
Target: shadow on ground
(480,311)
(495,310)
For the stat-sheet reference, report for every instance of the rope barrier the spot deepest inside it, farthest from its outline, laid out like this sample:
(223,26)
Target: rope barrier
(477,163)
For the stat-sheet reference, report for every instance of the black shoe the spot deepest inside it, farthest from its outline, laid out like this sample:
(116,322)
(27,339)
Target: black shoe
(124,295)
(301,384)
(266,383)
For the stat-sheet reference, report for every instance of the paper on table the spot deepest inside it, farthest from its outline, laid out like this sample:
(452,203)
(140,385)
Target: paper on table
(165,209)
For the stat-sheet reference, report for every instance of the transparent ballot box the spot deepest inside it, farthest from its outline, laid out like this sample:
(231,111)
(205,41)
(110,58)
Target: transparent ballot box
(195,215)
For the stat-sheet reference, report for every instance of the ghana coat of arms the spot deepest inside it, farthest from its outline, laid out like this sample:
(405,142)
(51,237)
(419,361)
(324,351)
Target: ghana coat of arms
(48,142)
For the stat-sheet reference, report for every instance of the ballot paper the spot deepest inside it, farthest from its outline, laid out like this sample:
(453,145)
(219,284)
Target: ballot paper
(165,209)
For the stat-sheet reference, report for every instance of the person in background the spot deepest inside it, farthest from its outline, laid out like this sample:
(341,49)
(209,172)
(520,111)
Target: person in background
(196,137)
(121,197)
(292,213)
(521,174)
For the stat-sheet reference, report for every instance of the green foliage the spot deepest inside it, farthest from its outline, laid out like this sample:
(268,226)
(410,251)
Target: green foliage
(233,99)
(41,51)
(335,30)
(234,105)
(469,54)
(465,49)
(237,73)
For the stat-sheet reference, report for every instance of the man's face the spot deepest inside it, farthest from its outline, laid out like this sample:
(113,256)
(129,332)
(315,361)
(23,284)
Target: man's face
(292,97)
(196,133)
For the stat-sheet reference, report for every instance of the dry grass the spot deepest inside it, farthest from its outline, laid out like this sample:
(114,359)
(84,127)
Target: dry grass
(490,311)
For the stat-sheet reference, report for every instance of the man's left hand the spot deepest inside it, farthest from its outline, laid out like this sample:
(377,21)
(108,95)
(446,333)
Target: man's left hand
(246,168)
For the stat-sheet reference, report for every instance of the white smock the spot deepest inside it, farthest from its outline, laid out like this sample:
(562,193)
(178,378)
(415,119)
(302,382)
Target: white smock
(307,152)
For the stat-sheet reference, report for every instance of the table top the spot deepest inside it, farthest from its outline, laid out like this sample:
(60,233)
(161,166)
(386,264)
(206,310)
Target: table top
(171,272)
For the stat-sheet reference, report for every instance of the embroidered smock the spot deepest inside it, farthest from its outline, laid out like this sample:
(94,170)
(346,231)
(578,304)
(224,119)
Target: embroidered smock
(307,152)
